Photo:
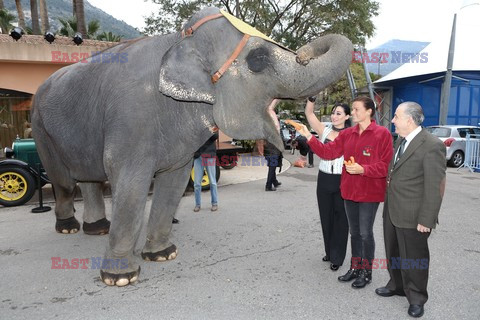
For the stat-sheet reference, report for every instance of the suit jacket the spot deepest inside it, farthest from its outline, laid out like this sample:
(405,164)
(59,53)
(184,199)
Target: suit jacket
(416,183)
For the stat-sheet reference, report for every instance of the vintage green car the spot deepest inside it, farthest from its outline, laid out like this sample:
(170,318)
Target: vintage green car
(19,173)
(21,170)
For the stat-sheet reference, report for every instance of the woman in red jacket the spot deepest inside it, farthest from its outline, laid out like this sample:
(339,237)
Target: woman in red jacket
(363,183)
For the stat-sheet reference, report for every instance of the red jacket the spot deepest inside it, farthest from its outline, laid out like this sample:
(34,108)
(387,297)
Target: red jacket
(373,150)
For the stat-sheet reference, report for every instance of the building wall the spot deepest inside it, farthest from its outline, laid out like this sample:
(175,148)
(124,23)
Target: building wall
(464,105)
(25,77)
(24,65)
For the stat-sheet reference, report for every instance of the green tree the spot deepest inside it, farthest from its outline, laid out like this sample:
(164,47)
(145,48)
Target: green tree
(6,20)
(69,27)
(109,36)
(292,22)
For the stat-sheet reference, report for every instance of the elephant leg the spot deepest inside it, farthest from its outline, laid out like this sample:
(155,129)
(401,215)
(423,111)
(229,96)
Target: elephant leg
(129,195)
(64,211)
(63,184)
(94,219)
(167,193)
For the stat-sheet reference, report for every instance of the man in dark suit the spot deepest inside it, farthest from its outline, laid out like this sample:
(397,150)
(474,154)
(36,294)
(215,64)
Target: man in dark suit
(416,183)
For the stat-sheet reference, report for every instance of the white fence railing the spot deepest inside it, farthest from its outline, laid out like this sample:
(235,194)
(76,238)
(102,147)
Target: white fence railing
(472,152)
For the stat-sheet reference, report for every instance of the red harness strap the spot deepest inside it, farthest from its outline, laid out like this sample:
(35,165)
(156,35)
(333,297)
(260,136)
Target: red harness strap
(217,75)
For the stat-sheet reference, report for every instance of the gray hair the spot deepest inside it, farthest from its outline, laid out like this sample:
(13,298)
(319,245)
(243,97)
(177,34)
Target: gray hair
(415,111)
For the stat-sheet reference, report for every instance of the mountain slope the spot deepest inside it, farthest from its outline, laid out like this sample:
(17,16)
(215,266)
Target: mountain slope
(63,9)
(396,52)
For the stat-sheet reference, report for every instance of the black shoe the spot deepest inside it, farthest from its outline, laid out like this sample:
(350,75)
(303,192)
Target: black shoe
(276,184)
(385,292)
(349,276)
(364,278)
(175,220)
(270,189)
(334,267)
(415,310)
(326,258)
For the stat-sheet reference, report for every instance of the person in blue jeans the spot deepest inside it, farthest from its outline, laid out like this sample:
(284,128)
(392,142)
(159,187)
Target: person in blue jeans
(205,157)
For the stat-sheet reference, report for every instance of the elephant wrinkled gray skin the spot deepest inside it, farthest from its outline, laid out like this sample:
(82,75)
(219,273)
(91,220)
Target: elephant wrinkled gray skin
(129,122)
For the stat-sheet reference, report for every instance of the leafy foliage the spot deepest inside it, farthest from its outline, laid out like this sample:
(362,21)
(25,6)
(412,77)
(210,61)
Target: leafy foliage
(109,36)
(6,20)
(292,23)
(69,27)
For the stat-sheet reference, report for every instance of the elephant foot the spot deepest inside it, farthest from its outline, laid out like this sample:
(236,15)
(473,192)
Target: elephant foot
(119,280)
(66,226)
(169,253)
(99,227)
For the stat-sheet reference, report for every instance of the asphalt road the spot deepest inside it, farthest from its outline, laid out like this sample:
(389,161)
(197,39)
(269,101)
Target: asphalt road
(258,257)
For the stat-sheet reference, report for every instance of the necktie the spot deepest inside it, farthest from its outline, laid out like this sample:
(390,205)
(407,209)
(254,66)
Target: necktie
(401,149)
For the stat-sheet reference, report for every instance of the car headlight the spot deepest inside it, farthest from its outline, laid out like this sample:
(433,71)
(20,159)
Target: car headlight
(8,153)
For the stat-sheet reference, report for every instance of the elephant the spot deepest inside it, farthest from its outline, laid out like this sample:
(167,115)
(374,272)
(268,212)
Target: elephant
(132,122)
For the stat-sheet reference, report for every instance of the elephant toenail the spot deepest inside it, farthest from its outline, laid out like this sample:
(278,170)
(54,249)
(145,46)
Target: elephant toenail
(122,282)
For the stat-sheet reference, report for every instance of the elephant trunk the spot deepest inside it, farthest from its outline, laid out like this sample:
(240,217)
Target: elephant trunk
(316,65)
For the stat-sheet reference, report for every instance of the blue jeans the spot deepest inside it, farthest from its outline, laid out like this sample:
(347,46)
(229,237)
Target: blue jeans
(210,165)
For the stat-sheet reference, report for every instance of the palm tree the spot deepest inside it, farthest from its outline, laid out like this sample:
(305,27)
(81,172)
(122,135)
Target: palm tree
(70,27)
(35,21)
(109,36)
(2,6)
(44,15)
(21,15)
(6,21)
(80,15)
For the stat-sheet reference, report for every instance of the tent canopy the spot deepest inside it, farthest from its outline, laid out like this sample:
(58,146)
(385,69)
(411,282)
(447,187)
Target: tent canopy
(467,46)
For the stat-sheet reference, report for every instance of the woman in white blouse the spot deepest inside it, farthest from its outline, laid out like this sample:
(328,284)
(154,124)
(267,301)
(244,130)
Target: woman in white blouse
(330,203)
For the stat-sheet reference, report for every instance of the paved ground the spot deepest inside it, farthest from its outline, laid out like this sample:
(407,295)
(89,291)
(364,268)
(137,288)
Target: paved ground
(258,257)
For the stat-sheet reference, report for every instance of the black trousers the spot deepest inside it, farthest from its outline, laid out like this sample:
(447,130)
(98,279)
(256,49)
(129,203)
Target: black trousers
(361,216)
(408,260)
(271,177)
(332,216)
(310,157)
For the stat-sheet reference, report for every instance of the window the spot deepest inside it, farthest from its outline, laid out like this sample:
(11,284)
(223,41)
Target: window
(463,132)
(439,131)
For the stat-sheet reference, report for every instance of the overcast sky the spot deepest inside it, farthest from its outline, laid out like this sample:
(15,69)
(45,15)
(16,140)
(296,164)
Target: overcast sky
(419,20)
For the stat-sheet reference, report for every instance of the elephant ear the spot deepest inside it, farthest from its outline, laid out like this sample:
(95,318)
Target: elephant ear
(185,74)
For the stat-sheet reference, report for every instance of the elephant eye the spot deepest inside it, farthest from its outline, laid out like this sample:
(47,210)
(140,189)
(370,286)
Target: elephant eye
(258,59)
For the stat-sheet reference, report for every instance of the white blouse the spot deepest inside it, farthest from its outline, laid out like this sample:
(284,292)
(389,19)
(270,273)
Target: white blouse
(330,166)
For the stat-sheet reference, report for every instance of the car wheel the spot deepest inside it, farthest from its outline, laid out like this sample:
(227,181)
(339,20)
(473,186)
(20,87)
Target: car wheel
(205,180)
(457,159)
(17,186)
(227,164)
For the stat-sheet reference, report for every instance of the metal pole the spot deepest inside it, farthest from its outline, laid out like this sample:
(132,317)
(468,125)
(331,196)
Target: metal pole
(447,82)
(41,208)
(369,84)
(351,83)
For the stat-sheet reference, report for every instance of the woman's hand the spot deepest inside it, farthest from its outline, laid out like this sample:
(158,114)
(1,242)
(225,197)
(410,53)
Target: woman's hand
(354,168)
(305,132)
